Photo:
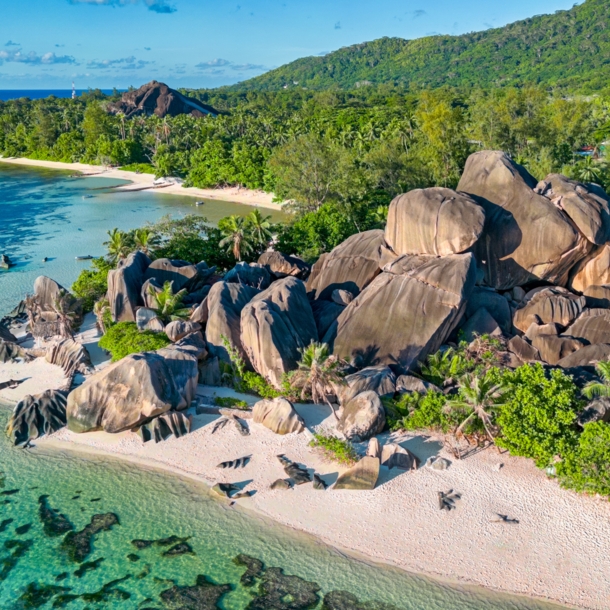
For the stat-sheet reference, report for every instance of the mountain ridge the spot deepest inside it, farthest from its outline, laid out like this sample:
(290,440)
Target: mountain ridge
(569,49)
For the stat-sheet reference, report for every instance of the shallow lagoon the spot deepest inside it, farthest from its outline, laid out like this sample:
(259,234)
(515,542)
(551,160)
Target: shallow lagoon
(46,213)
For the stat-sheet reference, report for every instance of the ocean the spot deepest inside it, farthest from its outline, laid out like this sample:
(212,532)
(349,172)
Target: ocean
(36,94)
(48,213)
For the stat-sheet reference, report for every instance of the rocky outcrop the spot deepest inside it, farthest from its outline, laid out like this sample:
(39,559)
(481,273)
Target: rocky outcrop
(184,367)
(435,221)
(495,303)
(325,313)
(553,305)
(589,356)
(179,273)
(178,329)
(200,314)
(526,237)
(480,323)
(588,207)
(592,271)
(150,289)
(252,274)
(166,425)
(409,383)
(225,303)
(278,415)
(71,356)
(275,325)
(598,297)
(123,395)
(378,379)
(35,416)
(596,410)
(46,291)
(159,99)
(553,349)
(342,297)
(144,316)
(9,351)
(280,265)
(363,476)
(406,313)
(351,266)
(593,326)
(124,286)
(362,417)
(523,350)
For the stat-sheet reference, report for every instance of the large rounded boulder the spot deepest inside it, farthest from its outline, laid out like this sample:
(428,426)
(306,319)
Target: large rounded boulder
(125,286)
(351,266)
(592,326)
(553,305)
(526,236)
(180,273)
(278,415)
(435,221)
(275,325)
(123,395)
(406,313)
(592,271)
(362,417)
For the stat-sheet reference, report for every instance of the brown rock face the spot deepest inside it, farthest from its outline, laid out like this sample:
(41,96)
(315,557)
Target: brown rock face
(225,303)
(281,265)
(123,395)
(593,326)
(351,266)
(589,355)
(46,290)
(363,476)
(162,270)
(275,325)
(435,221)
(278,415)
(406,313)
(553,349)
(158,98)
(592,271)
(548,306)
(587,206)
(526,237)
(598,296)
(362,416)
(124,287)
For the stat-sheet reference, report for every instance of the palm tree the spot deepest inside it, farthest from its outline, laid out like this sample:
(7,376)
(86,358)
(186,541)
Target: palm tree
(443,368)
(65,306)
(481,394)
(594,389)
(145,240)
(116,245)
(100,309)
(259,227)
(168,304)
(589,171)
(236,235)
(317,373)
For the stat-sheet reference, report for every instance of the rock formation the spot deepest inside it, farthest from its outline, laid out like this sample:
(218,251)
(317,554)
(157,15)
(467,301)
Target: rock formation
(406,313)
(363,476)
(162,270)
(124,395)
(592,326)
(71,356)
(362,417)
(526,236)
(157,98)
(280,265)
(435,221)
(278,415)
(592,271)
(553,305)
(378,379)
(252,274)
(178,329)
(275,325)
(124,286)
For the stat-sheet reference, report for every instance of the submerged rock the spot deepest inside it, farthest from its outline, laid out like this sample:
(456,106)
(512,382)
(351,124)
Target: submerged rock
(254,569)
(53,523)
(37,595)
(204,595)
(182,548)
(78,544)
(278,591)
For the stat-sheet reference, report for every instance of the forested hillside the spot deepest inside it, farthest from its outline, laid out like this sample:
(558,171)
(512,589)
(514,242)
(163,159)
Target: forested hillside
(569,49)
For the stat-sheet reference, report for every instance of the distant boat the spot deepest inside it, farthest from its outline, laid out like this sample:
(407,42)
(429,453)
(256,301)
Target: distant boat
(87,257)
(199,202)
(45,259)
(87,196)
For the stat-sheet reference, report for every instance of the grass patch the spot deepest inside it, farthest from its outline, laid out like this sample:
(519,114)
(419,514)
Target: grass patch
(230,402)
(124,338)
(335,449)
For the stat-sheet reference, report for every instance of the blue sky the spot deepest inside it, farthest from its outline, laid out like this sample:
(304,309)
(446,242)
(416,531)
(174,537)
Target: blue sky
(200,43)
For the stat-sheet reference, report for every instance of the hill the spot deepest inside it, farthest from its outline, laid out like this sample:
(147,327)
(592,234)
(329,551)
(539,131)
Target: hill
(568,49)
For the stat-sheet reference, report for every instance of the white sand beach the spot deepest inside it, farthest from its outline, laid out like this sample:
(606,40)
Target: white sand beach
(145,181)
(557,551)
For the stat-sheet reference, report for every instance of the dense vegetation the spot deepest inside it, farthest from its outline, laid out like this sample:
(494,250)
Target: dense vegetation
(338,157)
(567,49)
(124,338)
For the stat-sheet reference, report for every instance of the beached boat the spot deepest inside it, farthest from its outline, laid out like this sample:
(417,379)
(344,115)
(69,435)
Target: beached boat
(199,202)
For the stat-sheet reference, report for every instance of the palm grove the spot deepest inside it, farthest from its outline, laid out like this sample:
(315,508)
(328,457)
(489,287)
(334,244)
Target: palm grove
(339,158)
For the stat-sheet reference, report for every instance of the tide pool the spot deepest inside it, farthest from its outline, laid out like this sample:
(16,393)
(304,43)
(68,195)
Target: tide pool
(47,213)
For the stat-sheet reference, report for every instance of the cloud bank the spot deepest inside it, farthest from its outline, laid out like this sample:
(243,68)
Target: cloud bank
(35,59)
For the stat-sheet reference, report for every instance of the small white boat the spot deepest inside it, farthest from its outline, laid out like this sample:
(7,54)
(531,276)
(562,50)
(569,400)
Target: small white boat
(199,202)
(87,257)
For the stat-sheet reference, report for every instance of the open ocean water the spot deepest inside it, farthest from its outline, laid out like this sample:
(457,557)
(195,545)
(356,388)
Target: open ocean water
(47,213)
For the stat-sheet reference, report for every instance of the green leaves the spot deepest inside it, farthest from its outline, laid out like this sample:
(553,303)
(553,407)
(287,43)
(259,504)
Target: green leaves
(167,304)
(124,338)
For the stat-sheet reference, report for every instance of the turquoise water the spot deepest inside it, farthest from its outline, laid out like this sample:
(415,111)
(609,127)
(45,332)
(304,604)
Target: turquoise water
(153,505)
(46,213)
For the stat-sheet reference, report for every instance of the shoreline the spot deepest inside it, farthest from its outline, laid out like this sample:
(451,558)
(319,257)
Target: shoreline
(145,182)
(253,511)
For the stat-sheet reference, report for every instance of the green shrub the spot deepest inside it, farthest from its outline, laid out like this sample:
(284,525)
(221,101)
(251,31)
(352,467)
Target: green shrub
(254,383)
(230,402)
(142,168)
(538,414)
(124,338)
(413,411)
(587,468)
(92,284)
(335,448)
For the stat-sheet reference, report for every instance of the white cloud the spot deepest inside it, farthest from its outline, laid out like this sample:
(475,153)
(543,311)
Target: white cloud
(34,59)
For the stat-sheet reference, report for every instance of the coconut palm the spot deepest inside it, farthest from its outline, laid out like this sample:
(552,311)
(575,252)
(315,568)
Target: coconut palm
(65,306)
(444,368)
(167,304)
(101,308)
(145,240)
(237,238)
(259,227)
(317,373)
(481,395)
(601,387)
(117,245)
(588,170)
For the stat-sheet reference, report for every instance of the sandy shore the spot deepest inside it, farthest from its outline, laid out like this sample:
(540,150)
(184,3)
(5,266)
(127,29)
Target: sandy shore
(140,181)
(558,551)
